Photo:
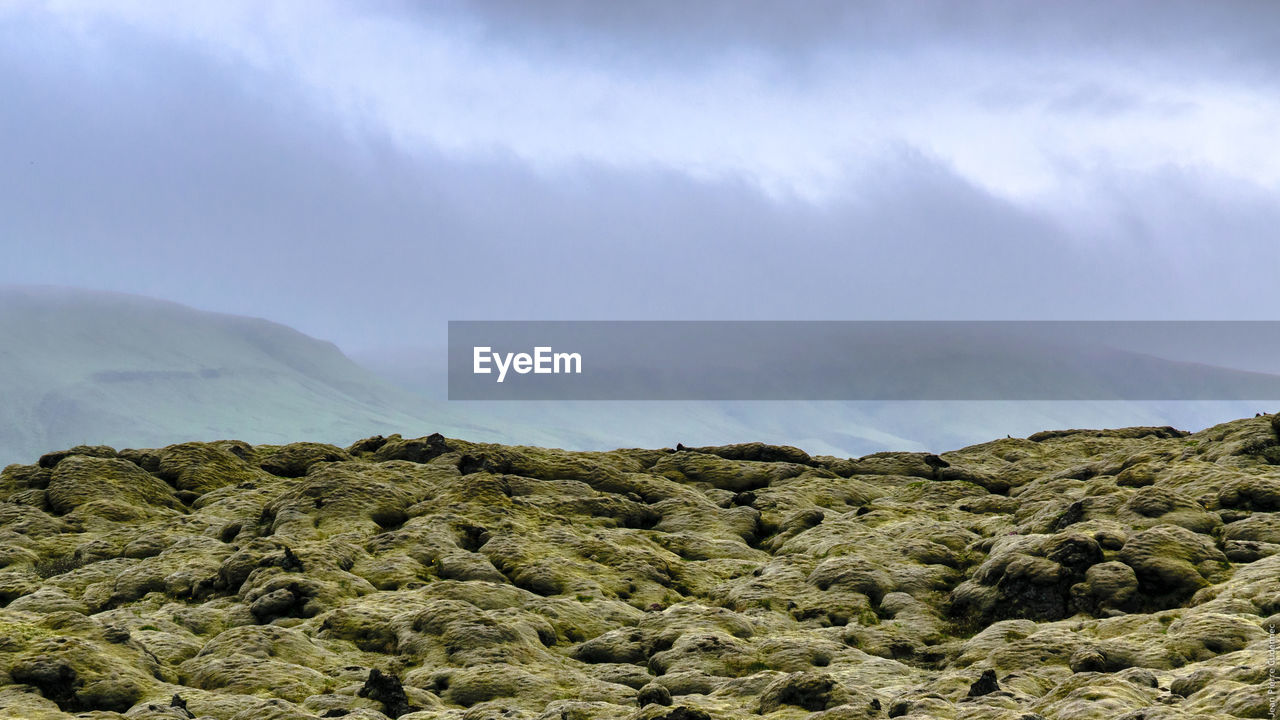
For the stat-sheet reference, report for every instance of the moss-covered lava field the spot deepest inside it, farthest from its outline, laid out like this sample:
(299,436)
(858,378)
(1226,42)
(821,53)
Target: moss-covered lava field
(1074,574)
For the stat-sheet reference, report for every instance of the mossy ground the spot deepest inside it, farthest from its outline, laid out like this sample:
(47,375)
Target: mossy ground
(1096,574)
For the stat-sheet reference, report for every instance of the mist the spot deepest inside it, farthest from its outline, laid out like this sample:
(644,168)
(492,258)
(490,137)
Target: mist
(366,176)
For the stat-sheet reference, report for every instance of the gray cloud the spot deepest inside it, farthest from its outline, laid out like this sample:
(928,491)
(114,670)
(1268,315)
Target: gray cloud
(1186,34)
(157,165)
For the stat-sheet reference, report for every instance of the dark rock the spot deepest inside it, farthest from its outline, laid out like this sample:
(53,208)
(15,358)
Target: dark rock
(290,562)
(1032,587)
(180,704)
(386,689)
(653,694)
(54,678)
(685,713)
(985,684)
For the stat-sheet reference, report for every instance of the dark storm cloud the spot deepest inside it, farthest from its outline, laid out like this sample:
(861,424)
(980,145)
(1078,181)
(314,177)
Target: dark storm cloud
(1242,33)
(152,164)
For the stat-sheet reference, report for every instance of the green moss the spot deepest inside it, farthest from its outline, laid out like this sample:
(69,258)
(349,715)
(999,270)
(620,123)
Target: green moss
(527,576)
(24,632)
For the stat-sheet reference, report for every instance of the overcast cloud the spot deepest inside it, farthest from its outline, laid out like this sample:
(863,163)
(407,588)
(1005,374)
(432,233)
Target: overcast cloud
(365,174)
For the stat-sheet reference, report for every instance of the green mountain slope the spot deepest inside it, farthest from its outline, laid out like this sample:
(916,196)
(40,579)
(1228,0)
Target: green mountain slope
(92,367)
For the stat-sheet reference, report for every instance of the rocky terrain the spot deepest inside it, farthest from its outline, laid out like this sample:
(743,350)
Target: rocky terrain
(1073,574)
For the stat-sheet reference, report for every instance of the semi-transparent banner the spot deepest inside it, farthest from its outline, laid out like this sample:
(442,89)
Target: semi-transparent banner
(864,360)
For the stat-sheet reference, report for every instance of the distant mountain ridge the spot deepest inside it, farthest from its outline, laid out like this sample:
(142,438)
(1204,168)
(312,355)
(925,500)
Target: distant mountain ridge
(89,367)
(80,366)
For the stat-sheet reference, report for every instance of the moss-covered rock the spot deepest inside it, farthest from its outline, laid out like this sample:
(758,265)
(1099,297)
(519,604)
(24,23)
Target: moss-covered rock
(1074,574)
(1172,563)
(115,489)
(295,459)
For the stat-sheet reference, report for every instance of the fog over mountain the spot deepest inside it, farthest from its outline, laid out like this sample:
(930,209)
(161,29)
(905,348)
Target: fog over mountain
(81,367)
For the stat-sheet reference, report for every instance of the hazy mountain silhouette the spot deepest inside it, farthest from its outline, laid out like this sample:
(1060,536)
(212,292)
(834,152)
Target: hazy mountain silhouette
(87,367)
(93,367)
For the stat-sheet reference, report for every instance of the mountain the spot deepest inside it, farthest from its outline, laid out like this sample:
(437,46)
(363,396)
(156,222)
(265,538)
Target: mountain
(90,367)
(85,367)
(1069,575)
(103,368)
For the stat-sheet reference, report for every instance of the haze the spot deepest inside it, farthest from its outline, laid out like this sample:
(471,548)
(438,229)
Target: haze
(366,173)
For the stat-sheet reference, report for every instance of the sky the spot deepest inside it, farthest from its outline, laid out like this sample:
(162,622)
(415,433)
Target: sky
(366,172)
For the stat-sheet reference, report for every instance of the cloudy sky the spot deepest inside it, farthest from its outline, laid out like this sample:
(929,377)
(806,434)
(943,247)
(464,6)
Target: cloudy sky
(365,172)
